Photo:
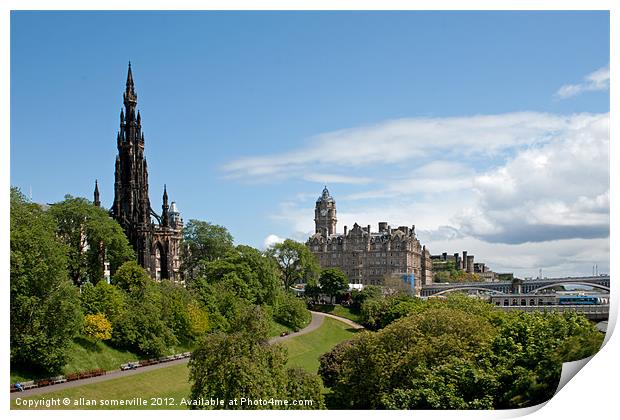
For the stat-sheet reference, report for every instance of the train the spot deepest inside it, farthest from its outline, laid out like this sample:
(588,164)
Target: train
(582,300)
(548,300)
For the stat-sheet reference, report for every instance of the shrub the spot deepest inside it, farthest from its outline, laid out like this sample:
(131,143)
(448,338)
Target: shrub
(292,312)
(97,327)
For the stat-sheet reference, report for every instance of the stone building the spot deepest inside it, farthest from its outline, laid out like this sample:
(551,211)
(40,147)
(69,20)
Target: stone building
(465,262)
(156,238)
(368,257)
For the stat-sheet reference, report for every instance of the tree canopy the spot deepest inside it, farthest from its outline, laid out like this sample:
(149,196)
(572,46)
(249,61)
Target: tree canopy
(203,241)
(45,310)
(333,282)
(91,236)
(456,354)
(242,364)
(296,261)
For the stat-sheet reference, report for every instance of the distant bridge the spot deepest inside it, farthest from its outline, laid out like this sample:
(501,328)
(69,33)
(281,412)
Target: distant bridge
(515,286)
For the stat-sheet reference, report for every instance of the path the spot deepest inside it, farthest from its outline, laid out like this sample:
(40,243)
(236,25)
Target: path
(316,322)
(341,319)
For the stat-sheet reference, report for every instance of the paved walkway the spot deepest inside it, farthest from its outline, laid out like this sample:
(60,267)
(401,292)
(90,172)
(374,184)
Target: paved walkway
(341,319)
(316,322)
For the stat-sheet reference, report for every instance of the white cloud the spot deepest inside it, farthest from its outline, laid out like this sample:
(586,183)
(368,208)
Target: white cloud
(435,177)
(323,178)
(538,197)
(404,141)
(271,240)
(556,258)
(597,80)
(558,190)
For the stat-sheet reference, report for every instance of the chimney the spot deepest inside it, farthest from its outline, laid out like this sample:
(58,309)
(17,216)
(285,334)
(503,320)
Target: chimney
(345,230)
(382,226)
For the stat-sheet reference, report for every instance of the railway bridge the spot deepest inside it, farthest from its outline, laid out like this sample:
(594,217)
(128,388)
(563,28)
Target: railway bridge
(516,286)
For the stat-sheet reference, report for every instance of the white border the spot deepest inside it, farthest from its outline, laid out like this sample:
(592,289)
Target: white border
(590,395)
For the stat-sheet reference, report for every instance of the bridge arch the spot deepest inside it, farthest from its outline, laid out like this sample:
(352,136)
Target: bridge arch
(457,289)
(547,286)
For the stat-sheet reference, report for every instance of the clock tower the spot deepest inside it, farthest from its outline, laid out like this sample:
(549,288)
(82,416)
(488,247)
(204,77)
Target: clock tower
(325,214)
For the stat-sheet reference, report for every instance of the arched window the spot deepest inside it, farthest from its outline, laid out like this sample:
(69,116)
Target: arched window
(161,262)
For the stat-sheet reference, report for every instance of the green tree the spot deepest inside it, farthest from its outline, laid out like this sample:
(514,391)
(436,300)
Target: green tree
(198,319)
(297,263)
(456,354)
(361,296)
(243,364)
(142,327)
(333,282)
(45,309)
(175,301)
(203,241)
(367,370)
(379,312)
(91,236)
(303,385)
(312,290)
(131,276)
(255,372)
(528,353)
(251,274)
(292,312)
(103,298)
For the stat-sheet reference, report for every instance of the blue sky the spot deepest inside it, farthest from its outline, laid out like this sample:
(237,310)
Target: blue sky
(477,127)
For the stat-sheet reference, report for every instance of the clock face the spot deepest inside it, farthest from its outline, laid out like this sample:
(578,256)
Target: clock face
(324,212)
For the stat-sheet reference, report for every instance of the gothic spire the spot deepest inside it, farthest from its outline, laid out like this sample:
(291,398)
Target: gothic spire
(164,208)
(129,78)
(130,97)
(96,195)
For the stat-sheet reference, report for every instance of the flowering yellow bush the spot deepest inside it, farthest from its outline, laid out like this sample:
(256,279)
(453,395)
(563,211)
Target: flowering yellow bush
(97,327)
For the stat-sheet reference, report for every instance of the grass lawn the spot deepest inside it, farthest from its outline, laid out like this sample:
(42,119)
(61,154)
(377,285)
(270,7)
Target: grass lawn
(338,310)
(171,382)
(276,329)
(305,350)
